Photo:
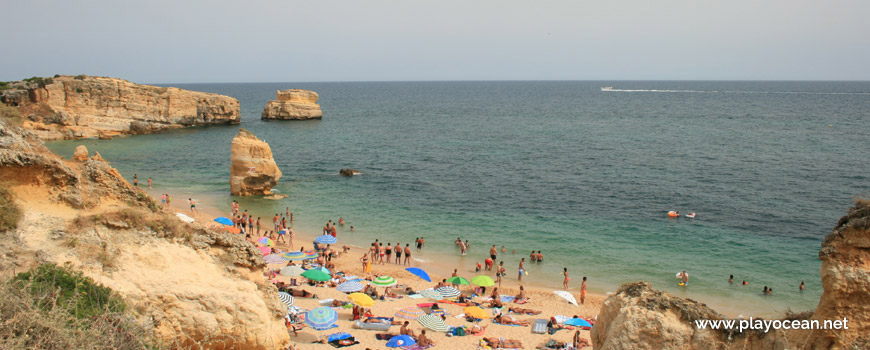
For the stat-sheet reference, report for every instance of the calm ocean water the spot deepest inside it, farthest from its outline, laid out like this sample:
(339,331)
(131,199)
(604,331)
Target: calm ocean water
(583,175)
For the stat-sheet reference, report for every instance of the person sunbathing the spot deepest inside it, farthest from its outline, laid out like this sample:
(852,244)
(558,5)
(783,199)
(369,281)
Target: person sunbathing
(423,341)
(496,303)
(476,329)
(337,303)
(494,293)
(372,319)
(580,342)
(520,310)
(388,293)
(507,320)
(521,295)
(300,293)
(504,343)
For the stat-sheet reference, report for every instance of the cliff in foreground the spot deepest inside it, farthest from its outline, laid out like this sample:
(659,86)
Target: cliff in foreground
(67,107)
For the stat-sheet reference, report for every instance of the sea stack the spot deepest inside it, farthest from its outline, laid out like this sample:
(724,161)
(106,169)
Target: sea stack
(253,170)
(293,104)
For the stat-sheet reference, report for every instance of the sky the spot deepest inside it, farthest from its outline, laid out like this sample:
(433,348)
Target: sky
(158,41)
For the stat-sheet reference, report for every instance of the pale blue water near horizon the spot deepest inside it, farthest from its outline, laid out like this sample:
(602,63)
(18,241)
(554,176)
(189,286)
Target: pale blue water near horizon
(584,175)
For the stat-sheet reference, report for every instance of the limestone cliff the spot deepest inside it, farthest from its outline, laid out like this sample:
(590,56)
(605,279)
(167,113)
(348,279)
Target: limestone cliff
(252,169)
(294,104)
(66,107)
(194,286)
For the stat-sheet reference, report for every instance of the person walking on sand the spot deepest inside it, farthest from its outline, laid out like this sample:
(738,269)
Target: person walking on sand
(275,221)
(192,205)
(258,226)
(583,291)
(521,271)
(290,234)
(500,272)
(168,199)
(149,182)
(135,180)
(407,254)
(365,262)
(567,279)
(163,199)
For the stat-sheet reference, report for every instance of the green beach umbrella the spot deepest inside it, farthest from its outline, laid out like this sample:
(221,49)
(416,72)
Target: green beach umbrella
(384,281)
(457,280)
(316,275)
(483,281)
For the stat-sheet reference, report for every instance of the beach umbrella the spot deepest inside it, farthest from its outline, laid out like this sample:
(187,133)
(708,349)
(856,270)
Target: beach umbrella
(267,241)
(326,239)
(294,255)
(401,340)
(291,271)
(431,294)
(322,269)
(224,221)
(231,229)
(286,298)
(457,280)
(475,312)
(338,336)
(567,296)
(349,287)
(273,259)
(360,299)
(411,312)
(419,273)
(483,281)
(310,254)
(448,292)
(384,281)
(321,318)
(265,250)
(316,275)
(432,322)
(578,322)
(184,218)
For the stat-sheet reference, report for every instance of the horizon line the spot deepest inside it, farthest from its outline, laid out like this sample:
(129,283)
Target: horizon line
(516,80)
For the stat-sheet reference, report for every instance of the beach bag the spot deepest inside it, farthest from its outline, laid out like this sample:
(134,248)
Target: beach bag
(459,331)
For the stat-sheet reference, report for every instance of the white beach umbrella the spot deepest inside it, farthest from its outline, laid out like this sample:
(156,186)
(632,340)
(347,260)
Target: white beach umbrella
(567,296)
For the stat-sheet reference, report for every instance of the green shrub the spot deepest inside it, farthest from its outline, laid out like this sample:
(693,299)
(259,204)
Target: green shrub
(10,212)
(80,77)
(78,294)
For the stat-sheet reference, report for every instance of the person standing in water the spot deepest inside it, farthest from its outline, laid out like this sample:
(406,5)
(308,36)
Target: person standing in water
(462,248)
(802,287)
(341,221)
(407,254)
(684,278)
(731,279)
(567,279)
(492,252)
(149,182)
(583,291)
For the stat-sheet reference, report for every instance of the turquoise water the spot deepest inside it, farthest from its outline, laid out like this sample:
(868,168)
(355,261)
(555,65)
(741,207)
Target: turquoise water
(583,175)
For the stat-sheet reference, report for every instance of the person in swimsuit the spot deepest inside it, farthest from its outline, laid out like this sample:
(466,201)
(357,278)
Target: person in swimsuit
(533,256)
(583,291)
(567,279)
(383,251)
(398,253)
(521,271)
(149,182)
(500,272)
(389,252)
(492,252)
(281,236)
(802,286)
(540,257)
(258,226)
(135,180)
(192,204)
(163,199)
(407,254)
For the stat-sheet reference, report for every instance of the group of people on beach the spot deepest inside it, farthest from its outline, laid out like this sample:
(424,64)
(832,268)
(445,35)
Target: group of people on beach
(381,253)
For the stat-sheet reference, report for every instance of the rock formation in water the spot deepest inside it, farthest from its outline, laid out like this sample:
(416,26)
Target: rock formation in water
(349,172)
(294,104)
(190,285)
(81,153)
(638,314)
(67,107)
(252,170)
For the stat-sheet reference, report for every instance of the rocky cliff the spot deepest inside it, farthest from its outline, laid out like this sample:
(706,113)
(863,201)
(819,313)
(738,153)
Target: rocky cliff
(294,104)
(252,169)
(193,286)
(639,317)
(67,107)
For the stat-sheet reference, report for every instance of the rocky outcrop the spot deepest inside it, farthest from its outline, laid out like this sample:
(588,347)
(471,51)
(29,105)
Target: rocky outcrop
(294,104)
(66,107)
(252,169)
(348,172)
(81,153)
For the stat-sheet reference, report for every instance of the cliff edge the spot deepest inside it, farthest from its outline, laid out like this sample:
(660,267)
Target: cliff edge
(74,107)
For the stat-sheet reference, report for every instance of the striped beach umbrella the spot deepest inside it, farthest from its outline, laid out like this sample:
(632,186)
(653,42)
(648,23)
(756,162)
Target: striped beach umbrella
(433,322)
(360,299)
(384,281)
(431,294)
(326,239)
(457,280)
(310,254)
(448,292)
(321,318)
(286,298)
(265,250)
(316,275)
(483,281)
(291,271)
(294,255)
(350,287)
(267,241)
(274,259)
(410,312)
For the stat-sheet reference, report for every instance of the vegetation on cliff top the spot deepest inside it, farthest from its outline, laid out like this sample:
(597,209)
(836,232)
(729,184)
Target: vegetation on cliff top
(10,212)
(52,307)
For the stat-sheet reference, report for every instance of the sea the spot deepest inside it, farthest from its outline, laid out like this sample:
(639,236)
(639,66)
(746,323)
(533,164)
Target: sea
(586,176)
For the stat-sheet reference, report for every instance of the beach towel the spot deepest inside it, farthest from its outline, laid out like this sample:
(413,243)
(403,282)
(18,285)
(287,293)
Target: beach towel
(510,325)
(416,296)
(416,347)
(507,298)
(453,303)
(522,301)
(425,304)
(344,342)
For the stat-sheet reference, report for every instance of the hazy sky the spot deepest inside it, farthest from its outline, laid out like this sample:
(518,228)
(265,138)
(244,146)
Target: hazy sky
(256,41)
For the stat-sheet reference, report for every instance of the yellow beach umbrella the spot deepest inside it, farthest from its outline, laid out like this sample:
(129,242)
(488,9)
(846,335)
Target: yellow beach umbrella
(476,312)
(360,299)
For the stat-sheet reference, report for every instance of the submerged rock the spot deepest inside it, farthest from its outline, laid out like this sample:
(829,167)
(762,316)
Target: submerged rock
(294,104)
(349,172)
(252,170)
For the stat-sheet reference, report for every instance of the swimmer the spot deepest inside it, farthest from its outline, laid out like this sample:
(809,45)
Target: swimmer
(731,279)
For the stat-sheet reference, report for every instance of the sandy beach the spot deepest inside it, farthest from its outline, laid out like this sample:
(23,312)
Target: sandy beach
(540,298)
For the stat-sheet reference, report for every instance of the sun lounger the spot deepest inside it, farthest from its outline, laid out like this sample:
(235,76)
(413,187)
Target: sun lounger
(372,326)
(540,326)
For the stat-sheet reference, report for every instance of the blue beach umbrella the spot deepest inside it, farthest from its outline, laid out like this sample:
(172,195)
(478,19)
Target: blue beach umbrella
(326,239)
(419,273)
(293,256)
(224,221)
(578,322)
(401,340)
(321,318)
